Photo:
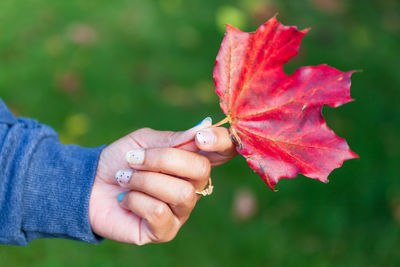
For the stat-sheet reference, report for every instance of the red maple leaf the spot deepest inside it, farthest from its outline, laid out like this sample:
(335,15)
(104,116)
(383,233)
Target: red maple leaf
(276,118)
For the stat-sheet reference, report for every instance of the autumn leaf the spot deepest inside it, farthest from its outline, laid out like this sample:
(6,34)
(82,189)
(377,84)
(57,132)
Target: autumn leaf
(276,118)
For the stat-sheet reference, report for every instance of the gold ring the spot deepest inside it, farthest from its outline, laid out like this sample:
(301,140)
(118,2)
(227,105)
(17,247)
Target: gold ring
(208,190)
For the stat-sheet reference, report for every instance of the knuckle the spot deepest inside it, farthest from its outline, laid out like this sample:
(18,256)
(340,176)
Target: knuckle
(169,138)
(164,158)
(158,213)
(204,167)
(187,195)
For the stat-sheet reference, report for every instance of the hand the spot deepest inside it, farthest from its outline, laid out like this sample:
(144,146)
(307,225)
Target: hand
(159,183)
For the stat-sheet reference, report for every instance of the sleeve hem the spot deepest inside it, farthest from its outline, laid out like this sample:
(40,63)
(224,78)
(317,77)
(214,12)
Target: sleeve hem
(57,191)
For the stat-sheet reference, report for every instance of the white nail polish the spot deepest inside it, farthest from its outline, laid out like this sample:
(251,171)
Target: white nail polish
(200,138)
(135,156)
(123,176)
(205,136)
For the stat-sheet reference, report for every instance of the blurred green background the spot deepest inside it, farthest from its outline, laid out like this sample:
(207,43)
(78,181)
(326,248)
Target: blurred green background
(96,70)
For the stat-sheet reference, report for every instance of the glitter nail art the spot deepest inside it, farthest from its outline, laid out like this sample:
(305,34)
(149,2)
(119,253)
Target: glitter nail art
(135,156)
(123,176)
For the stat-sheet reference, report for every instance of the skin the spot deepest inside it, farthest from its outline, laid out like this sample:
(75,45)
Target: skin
(161,193)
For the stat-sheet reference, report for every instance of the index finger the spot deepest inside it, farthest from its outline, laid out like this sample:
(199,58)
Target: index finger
(172,161)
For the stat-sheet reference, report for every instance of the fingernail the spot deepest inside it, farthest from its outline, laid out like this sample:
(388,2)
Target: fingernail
(205,136)
(123,176)
(120,196)
(208,119)
(135,156)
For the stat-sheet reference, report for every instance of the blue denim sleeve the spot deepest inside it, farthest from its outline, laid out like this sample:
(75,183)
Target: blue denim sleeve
(45,186)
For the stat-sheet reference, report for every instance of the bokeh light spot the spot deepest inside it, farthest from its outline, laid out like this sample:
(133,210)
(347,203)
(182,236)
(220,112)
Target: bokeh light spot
(77,125)
(230,15)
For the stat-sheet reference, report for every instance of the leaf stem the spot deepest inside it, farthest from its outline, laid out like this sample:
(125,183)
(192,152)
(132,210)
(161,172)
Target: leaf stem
(222,122)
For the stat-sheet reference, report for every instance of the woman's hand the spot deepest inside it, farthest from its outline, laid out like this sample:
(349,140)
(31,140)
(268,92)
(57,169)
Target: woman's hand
(145,189)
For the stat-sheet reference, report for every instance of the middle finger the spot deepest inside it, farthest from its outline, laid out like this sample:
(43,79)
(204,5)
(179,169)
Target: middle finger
(179,194)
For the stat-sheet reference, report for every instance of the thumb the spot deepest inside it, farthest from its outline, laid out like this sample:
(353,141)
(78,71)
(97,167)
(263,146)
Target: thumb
(148,138)
(182,139)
